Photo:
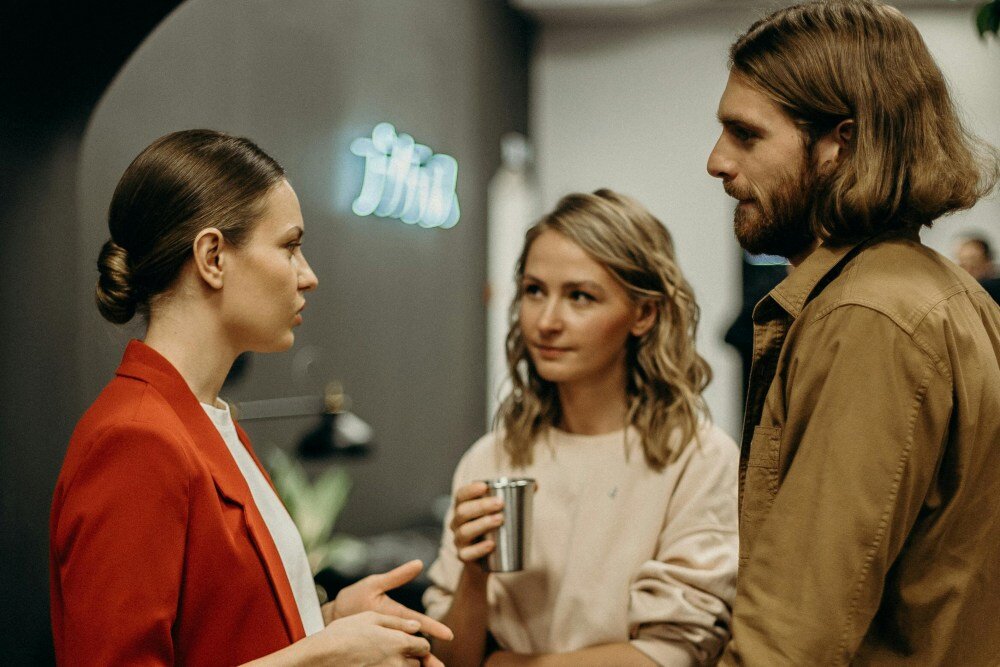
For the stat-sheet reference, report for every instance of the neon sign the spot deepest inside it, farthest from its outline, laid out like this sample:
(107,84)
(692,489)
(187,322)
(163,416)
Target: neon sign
(406,180)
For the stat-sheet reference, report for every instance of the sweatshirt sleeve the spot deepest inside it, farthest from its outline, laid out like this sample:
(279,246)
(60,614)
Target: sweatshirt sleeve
(680,602)
(118,547)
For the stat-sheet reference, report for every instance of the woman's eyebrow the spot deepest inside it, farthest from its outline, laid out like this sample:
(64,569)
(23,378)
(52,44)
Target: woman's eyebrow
(569,284)
(583,284)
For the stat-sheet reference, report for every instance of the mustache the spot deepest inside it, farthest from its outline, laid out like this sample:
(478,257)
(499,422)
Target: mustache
(742,194)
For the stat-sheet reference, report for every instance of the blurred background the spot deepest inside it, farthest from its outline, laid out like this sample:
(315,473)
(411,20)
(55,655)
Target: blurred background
(406,321)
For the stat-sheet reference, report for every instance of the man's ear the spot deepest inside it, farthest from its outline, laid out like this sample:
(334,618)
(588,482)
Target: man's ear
(646,318)
(831,149)
(208,249)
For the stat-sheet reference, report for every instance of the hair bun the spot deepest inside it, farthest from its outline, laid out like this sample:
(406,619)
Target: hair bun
(116,295)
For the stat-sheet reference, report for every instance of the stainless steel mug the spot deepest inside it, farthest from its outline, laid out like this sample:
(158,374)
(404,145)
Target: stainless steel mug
(513,537)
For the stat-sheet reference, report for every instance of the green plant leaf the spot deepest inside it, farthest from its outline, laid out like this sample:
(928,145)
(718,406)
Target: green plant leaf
(988,18)
(346,554)
(278,466)
(321,504)
(337,485)
(313,506)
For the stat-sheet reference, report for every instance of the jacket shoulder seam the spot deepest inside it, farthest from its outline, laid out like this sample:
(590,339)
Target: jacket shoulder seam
(915,337)
(130,421)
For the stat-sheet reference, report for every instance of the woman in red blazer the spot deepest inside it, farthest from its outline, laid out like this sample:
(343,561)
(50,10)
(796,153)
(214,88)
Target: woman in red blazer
(159,553)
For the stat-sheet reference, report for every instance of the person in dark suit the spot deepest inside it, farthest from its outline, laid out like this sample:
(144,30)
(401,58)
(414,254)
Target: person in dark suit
(974,254)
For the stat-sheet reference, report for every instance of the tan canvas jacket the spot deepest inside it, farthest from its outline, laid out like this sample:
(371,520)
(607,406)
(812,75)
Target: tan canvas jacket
(870,466)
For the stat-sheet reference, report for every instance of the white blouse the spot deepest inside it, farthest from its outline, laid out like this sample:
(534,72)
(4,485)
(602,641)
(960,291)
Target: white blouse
(285,535)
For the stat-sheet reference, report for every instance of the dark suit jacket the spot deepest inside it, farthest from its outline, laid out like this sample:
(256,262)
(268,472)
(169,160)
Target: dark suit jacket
(992,287)
(158,554)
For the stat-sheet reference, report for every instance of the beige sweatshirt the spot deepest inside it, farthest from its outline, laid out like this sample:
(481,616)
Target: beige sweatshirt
(619,551)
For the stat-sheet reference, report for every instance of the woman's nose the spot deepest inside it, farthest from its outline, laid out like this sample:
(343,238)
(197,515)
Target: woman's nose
(550,318)
(307,279)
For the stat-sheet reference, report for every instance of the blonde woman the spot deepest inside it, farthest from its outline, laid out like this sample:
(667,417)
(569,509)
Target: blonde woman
(634,544)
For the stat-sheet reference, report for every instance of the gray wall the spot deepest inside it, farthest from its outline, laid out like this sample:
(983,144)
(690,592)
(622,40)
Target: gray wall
(398,316)
(37,246)
(52,77)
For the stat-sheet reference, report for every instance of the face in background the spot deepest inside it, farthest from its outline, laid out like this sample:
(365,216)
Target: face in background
(762,160)
(971,256)
(575,317)
(266,279)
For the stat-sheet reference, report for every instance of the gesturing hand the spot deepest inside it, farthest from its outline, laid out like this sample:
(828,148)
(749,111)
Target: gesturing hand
(369,594)
(369,638)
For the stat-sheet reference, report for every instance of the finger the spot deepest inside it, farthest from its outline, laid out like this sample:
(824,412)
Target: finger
(428,625)
(470,491)
(397,577)
(473,509)
(430,660)
(329,612)
(408,625)
(415,647)
(469,532)
(474,552)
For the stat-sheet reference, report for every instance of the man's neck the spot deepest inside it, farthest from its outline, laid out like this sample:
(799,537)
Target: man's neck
(801,257)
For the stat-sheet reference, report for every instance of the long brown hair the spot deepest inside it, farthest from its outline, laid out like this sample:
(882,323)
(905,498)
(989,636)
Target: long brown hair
(910,159)
(666,375)
(178,185)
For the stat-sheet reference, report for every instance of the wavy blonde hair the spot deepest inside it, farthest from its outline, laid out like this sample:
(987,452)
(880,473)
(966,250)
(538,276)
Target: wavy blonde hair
(666,375)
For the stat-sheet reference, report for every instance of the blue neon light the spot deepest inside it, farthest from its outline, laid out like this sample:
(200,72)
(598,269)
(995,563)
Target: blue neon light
(406,180)
(764,260)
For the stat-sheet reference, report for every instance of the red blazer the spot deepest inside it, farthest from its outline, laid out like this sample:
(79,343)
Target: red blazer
(158,553)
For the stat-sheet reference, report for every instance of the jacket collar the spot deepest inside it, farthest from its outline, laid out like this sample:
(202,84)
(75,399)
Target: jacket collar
(147,365)
(792,293)
(815,272)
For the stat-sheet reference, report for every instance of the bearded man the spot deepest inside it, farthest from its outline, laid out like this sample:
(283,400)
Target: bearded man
(870,463)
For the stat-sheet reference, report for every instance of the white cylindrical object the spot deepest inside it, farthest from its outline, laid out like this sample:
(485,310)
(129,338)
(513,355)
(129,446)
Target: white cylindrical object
(512,207)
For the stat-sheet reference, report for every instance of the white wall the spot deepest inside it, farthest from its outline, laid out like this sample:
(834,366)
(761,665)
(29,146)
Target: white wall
(972,68)
(633,106)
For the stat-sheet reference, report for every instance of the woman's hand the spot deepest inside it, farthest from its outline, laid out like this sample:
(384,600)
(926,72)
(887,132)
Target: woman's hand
(369,594)
(370,638)
(474,516)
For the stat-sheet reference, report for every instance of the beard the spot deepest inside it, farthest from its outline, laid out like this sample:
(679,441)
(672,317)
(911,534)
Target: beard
(778,222)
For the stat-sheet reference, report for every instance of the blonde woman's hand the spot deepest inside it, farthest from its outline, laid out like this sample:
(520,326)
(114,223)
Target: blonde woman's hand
(369,594)
(475,515)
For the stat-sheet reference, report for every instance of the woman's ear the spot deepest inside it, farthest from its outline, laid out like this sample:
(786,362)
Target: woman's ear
(645,318)
(207,248)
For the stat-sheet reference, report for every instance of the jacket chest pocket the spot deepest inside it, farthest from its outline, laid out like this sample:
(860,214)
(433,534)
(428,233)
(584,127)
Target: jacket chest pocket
(760,484)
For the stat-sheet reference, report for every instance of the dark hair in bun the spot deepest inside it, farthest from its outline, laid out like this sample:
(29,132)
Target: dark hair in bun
(179,185)
(116,297)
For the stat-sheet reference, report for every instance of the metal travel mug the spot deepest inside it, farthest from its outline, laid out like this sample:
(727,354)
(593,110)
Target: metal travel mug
(514,536)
